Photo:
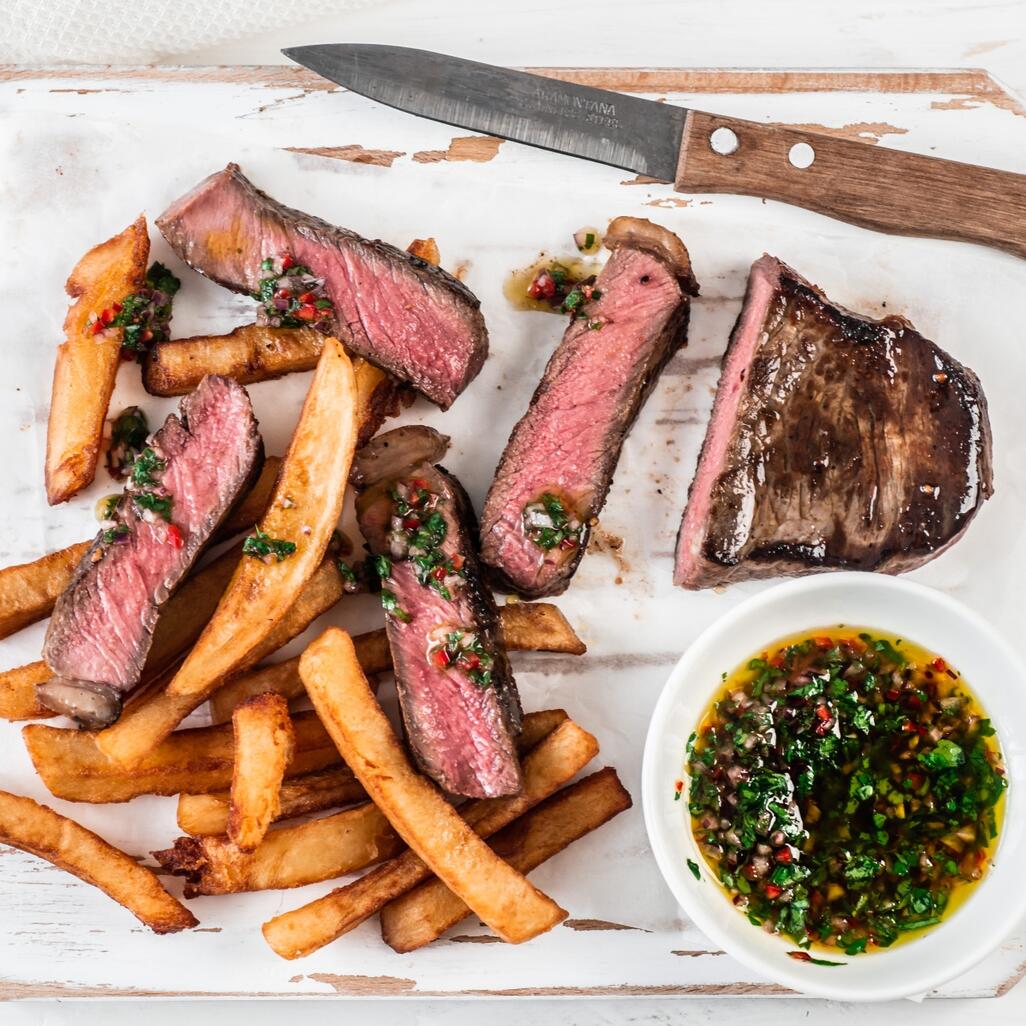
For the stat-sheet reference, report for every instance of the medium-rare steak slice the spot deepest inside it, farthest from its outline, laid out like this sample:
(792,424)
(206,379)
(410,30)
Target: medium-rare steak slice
(558,465)
(402,314)
(835,442)
(459,701)
(180,489)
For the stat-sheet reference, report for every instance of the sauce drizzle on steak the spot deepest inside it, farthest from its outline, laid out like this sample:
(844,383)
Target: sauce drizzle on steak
(102,624)
(557,467)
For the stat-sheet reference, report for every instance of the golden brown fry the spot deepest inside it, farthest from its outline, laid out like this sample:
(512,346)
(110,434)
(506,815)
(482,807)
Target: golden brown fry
(250,353)
(527,626)
(72,766)
(321,849)
(151,718)
(264,745)
(551,764)
(253,504)
(304,510)
(538,627)
(28,591)
(425,913)
(206,815)
(515,909)
(426,249)
(87,363)
(187,612)
(34,828)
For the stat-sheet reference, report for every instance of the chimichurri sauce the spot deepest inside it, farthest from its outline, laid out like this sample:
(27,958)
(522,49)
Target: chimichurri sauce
(844,788)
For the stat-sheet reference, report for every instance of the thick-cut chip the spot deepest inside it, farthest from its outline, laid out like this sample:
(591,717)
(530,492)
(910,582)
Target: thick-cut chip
(151,718)
(523,626)
(503,898)
(321,849)
(426,249)
(304,930)
(87,361)
(251,353)
(304,510)
(264,744)
(184,618)
(425,913)
(29,590)
(34,828)
(194,761)
(206,815)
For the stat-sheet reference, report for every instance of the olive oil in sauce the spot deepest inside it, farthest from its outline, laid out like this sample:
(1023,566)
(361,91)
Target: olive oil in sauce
(845,789)
(545,284)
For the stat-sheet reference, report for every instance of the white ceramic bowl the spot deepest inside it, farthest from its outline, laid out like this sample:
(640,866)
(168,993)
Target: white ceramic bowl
(928,617)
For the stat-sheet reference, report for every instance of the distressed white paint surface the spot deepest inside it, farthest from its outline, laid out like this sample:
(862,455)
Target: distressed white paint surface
(78,166)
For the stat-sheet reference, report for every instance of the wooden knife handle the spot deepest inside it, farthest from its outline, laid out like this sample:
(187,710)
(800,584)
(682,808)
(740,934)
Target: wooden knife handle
(871,186)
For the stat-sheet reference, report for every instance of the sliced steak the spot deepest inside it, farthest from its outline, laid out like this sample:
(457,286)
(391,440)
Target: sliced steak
(459,702)
(835,442)
(558,465)
(102,624)
(392,308)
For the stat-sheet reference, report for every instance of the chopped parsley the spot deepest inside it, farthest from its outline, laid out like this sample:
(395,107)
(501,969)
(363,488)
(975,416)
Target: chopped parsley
(128,434)
(146,465)
(390,604)
(549,526)
(262,546)
(154,503)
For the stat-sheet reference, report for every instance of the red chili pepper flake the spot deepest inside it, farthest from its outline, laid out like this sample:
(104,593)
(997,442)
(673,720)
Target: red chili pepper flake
(824,642)
(419,483)
(441,658)
(568,543)
(784,855)
(287,262)
(439,573)
(773,891)
(678,786)
(457,561)
(307,312)
(174,536)
(411,523)
(97,326)
(308,297)
(939,665)
(543,286)
(471,660)
(777,662)
(892,694)
(822,712)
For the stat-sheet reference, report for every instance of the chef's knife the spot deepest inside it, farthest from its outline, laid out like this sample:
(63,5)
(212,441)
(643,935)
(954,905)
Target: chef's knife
(872,186)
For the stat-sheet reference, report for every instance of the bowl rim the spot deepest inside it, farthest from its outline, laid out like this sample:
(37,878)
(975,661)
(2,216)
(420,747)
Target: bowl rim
(656,796)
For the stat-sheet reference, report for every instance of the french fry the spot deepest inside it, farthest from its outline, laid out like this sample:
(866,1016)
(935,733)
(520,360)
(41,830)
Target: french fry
(34,828)
(151,718)
(250,353)
(553,762)
(425,913)
(304,510)
(321,849)
(87,363)
(504,899)
(206,815)
(187,612)
(28,591)
(425,249)
(264,744)
(197,760)
(525,626)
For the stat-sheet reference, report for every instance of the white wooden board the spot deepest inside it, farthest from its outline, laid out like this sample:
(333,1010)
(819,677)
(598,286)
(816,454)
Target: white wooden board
(83,151)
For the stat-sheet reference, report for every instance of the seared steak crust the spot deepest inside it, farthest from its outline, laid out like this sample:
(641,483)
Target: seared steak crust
(102,624)
(461,732)
(394,309)
(836,442)
(568,442)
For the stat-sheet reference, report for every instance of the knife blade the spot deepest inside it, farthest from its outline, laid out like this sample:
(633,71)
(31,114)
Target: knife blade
(872,186)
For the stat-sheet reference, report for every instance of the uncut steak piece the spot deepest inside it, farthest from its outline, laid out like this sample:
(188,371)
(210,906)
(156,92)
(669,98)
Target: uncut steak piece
(392,308)
(459,702)
(180,489)
(558,465)
(836,442)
